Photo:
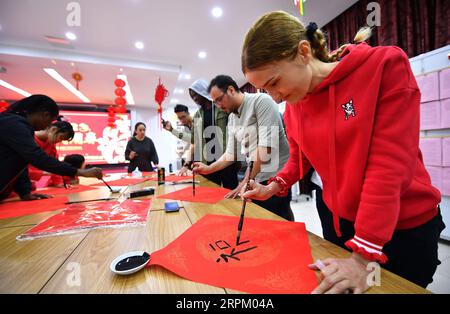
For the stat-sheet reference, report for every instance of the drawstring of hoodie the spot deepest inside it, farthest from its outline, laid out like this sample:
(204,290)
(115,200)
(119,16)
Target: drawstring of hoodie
(332,160)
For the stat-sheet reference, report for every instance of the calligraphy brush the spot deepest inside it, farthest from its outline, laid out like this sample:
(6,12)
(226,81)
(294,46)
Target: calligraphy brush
(244,203)
(193,180)
(110,188)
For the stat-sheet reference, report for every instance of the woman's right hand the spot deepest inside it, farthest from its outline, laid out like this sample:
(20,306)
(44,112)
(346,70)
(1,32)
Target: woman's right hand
(90,172)
(259,192)
(132,155)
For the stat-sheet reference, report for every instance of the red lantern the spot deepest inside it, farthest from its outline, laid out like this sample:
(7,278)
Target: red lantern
(121,109)
(120,92)
(119,83)
(120,101)
(160,94)
(3,105)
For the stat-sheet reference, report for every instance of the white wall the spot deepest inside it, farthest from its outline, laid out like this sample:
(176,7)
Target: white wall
(429,62)
(165,142)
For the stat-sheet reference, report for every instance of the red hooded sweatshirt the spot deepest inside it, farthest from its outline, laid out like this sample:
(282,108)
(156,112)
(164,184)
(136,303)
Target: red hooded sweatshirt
(359,129)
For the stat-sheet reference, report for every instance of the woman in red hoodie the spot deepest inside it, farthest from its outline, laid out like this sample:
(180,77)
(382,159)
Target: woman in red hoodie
(354,117)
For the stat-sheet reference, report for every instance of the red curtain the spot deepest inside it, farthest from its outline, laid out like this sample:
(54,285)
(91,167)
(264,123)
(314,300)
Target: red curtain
(416,26)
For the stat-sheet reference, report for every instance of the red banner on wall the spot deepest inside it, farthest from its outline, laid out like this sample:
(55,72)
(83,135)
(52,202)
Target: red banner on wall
(94,139)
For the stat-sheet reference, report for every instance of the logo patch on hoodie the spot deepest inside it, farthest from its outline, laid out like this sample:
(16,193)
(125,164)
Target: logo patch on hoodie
(349,109)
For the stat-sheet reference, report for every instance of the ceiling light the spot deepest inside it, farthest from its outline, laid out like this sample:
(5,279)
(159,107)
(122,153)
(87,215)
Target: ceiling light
(15,89)
(71,36)
(187,76)
(128,96)
(178,91)
(202,55)
(139,45)
(174,101)
(66,84)
(217,12)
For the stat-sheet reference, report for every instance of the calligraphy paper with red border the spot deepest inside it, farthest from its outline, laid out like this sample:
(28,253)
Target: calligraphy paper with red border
(123,182)
(22,208)
(203,194)
(82,216)
(70,190)
(274,260)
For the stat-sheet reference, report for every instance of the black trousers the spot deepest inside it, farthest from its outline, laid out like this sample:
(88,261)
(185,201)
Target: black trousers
(278,205)
(412,253)
(226,177)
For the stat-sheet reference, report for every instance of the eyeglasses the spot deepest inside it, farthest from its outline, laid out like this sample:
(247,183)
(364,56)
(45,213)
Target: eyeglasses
(219,99)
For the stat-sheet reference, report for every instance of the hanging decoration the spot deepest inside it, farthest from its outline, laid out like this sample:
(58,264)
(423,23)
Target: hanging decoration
(300,5)
(78,78)
(160,94)
(120,101)
(3,105)
(111,117)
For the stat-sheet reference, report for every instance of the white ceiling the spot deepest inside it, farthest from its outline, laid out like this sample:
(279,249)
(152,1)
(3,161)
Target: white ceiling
(173,33)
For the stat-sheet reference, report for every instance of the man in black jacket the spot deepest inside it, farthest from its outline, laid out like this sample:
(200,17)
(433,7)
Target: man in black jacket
(18,148)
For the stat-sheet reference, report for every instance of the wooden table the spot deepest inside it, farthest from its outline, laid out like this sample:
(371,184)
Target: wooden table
(79,263)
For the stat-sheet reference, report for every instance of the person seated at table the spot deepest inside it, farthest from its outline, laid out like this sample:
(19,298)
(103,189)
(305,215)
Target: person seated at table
(254,125)
(18,148)
(141,151)
(47,139)
(77,161)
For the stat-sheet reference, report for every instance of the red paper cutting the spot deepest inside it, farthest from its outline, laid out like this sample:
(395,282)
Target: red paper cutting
(123,182)
(82,216)
(272,256)
(202,194)
(174,178)
(70,190)
(23,208)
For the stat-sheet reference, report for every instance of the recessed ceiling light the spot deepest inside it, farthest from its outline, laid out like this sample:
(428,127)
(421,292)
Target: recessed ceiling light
(202,55)
(55,75)
(174,101)
(139,45)
(187,76)
(178,91)
(71,36)
(15,89)
(217,12)
(72,64)
(121,70)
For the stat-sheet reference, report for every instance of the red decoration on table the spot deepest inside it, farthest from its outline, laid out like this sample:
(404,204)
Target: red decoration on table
(272,256)
(202,195)
(22,208)
(160,94)
(82,216)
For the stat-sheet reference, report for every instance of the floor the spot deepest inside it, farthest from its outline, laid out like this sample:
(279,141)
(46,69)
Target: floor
(305,211)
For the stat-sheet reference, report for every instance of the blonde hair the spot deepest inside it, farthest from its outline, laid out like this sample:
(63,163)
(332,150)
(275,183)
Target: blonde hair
(275,36)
